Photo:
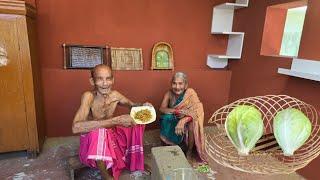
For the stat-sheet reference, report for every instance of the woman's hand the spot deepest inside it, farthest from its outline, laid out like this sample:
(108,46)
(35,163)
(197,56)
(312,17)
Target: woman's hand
(179,113)
(179,130)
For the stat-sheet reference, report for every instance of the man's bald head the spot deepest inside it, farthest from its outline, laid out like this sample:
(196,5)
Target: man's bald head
(100,67)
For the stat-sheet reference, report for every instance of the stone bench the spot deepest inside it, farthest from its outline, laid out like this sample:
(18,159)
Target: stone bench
(165,159)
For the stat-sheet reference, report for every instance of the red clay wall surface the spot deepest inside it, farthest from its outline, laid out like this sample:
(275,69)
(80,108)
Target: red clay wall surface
(132,24)
(273,31)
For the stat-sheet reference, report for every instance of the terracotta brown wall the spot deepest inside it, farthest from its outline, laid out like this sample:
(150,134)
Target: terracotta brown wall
(124,23)
(257,75)
(273,31)
(309,46)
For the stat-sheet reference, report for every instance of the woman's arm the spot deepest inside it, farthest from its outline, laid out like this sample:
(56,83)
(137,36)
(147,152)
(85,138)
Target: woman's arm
(179,129)
(164,105)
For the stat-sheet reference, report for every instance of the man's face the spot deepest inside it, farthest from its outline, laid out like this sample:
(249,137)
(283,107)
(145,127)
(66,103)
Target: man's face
(103,80)
(178,86)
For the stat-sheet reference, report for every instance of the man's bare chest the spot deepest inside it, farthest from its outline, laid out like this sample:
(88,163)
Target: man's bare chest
(104,108)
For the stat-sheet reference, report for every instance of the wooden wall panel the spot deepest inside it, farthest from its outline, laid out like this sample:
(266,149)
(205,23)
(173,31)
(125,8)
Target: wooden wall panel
(13,129)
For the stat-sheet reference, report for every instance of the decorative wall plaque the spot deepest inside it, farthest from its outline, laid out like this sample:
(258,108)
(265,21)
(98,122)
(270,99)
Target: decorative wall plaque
(162,56)
(126,58)
(84,57)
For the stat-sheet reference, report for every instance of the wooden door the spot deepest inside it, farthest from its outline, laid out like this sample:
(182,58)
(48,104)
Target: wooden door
(13,122)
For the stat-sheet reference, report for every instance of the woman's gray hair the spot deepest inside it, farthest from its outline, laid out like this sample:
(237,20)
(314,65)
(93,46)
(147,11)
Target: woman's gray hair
(180,75)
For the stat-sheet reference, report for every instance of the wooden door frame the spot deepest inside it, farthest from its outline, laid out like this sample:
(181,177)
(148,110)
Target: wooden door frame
(24,13)
(17,7)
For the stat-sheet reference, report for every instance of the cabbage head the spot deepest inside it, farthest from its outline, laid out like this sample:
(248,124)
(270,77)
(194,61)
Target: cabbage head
(291,129)
(244,127)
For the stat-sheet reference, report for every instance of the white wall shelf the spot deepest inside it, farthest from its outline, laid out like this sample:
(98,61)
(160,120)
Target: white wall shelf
(222,21)
(227,33)
(231,6)
(234,49)
(303,68)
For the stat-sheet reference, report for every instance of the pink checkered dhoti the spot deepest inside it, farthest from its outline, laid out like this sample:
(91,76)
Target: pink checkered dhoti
(119,147)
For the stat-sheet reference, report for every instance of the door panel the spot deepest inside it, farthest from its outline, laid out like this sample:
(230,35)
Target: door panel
(13,122)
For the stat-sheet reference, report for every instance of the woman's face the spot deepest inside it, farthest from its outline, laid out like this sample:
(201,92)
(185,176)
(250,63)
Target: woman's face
(178,86)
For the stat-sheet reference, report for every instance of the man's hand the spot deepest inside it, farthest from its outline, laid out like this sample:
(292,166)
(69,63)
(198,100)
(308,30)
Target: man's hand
(126,121)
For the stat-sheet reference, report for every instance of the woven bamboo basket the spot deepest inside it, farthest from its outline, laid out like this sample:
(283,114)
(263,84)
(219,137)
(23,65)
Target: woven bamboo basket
(266,157)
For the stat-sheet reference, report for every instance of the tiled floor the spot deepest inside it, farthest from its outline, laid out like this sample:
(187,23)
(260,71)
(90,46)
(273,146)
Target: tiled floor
(52,163)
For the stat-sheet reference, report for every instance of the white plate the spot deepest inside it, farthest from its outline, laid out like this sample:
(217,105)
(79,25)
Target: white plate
(134,110)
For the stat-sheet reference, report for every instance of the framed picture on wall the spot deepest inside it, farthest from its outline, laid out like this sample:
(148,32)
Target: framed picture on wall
(162,56)
(85,56)
(126,58)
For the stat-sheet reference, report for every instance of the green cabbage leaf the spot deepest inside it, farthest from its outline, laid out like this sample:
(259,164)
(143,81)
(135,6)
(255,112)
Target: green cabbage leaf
(244,127)
(291,129)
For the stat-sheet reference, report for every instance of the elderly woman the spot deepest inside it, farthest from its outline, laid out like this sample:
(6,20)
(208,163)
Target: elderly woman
(182,118)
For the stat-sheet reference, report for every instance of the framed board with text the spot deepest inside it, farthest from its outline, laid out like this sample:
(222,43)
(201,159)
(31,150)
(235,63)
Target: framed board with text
(84,56)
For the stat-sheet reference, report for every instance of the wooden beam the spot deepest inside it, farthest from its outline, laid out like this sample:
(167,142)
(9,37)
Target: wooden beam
(17,8)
